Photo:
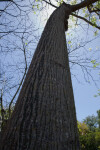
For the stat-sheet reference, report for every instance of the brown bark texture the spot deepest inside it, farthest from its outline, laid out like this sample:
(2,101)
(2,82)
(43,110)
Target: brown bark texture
(44,117)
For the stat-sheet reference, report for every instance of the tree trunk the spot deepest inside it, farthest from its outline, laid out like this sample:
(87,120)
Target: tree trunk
(44,117)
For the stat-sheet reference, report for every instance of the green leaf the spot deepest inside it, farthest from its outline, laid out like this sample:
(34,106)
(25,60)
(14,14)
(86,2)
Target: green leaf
(86,15)
(78,44)
(98,4)
(84,10)
(90,49)
(93,61)
(37,6)
(97,64)
(73,2)
(94,66)
(93,19)
(98,94)
(96,33)
(95,95)
(60,2)
(69,42)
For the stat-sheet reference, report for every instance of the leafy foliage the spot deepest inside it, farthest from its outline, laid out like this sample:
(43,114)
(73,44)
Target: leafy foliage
(89,132)
(91,122)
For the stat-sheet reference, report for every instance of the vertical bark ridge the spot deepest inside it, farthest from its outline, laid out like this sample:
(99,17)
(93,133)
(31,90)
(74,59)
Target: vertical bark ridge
(44,117)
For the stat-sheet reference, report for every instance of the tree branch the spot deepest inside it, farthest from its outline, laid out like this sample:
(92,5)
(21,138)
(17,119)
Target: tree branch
(77,7)
(16,92)
(1,102)
(6,0)
(50,4)
(82,4)
(86,21)
(21,80)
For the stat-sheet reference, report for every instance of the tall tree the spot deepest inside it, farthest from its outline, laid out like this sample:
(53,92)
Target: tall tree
(91,122)
(44,117)
(98,116)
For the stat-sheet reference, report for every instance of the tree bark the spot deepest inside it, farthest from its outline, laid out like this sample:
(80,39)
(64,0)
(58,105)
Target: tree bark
(44,117)
(83,4)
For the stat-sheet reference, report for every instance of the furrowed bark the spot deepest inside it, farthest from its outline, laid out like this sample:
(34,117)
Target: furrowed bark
(44,117)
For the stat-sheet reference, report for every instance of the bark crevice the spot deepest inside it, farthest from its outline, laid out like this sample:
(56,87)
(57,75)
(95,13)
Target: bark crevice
(44,117)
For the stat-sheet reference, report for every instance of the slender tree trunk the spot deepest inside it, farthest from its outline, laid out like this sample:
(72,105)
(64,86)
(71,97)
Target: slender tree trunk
(44,117)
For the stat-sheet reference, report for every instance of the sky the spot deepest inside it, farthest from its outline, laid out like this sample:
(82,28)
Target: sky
(86,103)
(84,93)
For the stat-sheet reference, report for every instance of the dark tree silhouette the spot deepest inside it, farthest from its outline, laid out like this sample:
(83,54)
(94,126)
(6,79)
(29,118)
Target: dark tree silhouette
(44,117)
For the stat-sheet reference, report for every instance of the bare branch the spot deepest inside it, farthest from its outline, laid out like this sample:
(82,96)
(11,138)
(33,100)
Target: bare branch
(21,80)
(83,4)
(77,7)
(6,0)
(86,20)
(50,3)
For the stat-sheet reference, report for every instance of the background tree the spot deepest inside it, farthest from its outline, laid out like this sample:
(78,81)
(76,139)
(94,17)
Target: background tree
(83,128)
(91,122)
(89,135)
(98,116)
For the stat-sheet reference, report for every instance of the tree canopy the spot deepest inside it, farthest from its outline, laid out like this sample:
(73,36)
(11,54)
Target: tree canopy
(89,133)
